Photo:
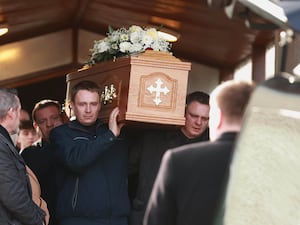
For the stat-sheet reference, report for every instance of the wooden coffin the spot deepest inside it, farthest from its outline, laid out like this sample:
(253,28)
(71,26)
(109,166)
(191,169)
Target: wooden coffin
(150,87)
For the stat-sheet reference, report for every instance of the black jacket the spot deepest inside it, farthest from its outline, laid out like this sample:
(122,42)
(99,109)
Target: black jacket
(190,183)
(145,158)
(40,159)
(16,205)
(94,170)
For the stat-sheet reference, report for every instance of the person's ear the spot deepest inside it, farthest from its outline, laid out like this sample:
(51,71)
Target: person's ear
(71,106)
(219,118)
(35,125)
(10,113)
(64,117)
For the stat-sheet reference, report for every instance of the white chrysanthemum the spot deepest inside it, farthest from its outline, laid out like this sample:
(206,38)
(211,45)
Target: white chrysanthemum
(114,46)
(124,37)
(152,33)
(160,45)
(135,28)
(114,36)
(135,37)
(102,46)
(136,47)
(125,46)
(147,40)
(155,46)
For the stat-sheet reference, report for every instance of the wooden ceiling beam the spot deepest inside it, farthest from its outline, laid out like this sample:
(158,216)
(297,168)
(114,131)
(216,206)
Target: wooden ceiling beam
(39,76)
(79,11)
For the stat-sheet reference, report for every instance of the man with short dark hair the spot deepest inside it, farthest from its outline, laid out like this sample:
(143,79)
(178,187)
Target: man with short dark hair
(39,157)
(46,115)
(145,156)
(190,179)
(16,204)
(93,162)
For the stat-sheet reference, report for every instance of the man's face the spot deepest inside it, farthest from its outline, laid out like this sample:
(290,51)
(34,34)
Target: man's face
(86,107)
(196,119)
(46,119)
(27,137)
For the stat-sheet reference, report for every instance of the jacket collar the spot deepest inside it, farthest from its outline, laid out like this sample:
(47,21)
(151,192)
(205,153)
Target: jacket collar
(7,140)
(5,133)
(74,124)
(228,136)
(41,143)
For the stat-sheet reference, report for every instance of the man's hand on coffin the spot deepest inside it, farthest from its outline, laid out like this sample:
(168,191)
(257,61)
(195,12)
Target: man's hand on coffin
(113,124)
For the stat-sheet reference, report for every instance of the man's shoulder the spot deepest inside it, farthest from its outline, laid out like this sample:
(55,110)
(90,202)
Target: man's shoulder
(32,150)
(194,149)
(190,148)
(189,157)
(201,151)
(63,128)
(34,147)
(3,138)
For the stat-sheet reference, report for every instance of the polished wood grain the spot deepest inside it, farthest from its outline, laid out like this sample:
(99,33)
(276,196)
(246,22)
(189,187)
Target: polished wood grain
(150,88)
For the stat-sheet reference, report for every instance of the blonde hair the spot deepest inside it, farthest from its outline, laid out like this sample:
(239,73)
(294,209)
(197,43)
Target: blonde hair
(232,98)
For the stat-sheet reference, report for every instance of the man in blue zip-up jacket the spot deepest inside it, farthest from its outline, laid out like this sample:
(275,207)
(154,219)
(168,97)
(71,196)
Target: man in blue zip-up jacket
(92,164)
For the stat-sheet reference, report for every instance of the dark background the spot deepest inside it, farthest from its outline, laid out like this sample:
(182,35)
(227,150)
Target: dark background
(54,89)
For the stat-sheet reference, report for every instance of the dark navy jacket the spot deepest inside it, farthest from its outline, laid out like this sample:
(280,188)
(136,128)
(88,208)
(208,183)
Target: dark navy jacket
(93,172)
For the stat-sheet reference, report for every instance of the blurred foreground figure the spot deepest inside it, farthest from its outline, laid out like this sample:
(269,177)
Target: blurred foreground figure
(263,186)
(190,179)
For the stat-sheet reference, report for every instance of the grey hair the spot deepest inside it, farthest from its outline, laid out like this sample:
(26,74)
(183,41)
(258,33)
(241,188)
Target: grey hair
(8,100)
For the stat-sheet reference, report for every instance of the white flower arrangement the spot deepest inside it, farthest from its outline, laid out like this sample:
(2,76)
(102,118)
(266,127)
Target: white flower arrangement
(122,42)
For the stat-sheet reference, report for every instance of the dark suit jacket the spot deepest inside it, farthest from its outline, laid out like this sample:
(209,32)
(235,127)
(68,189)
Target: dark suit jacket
(190,183)
(16,205)
(149,151)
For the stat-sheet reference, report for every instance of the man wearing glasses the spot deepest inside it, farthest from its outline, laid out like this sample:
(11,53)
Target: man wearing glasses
(145,156)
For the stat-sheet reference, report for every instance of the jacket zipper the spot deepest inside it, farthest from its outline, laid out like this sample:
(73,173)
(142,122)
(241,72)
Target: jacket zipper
(75,194)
